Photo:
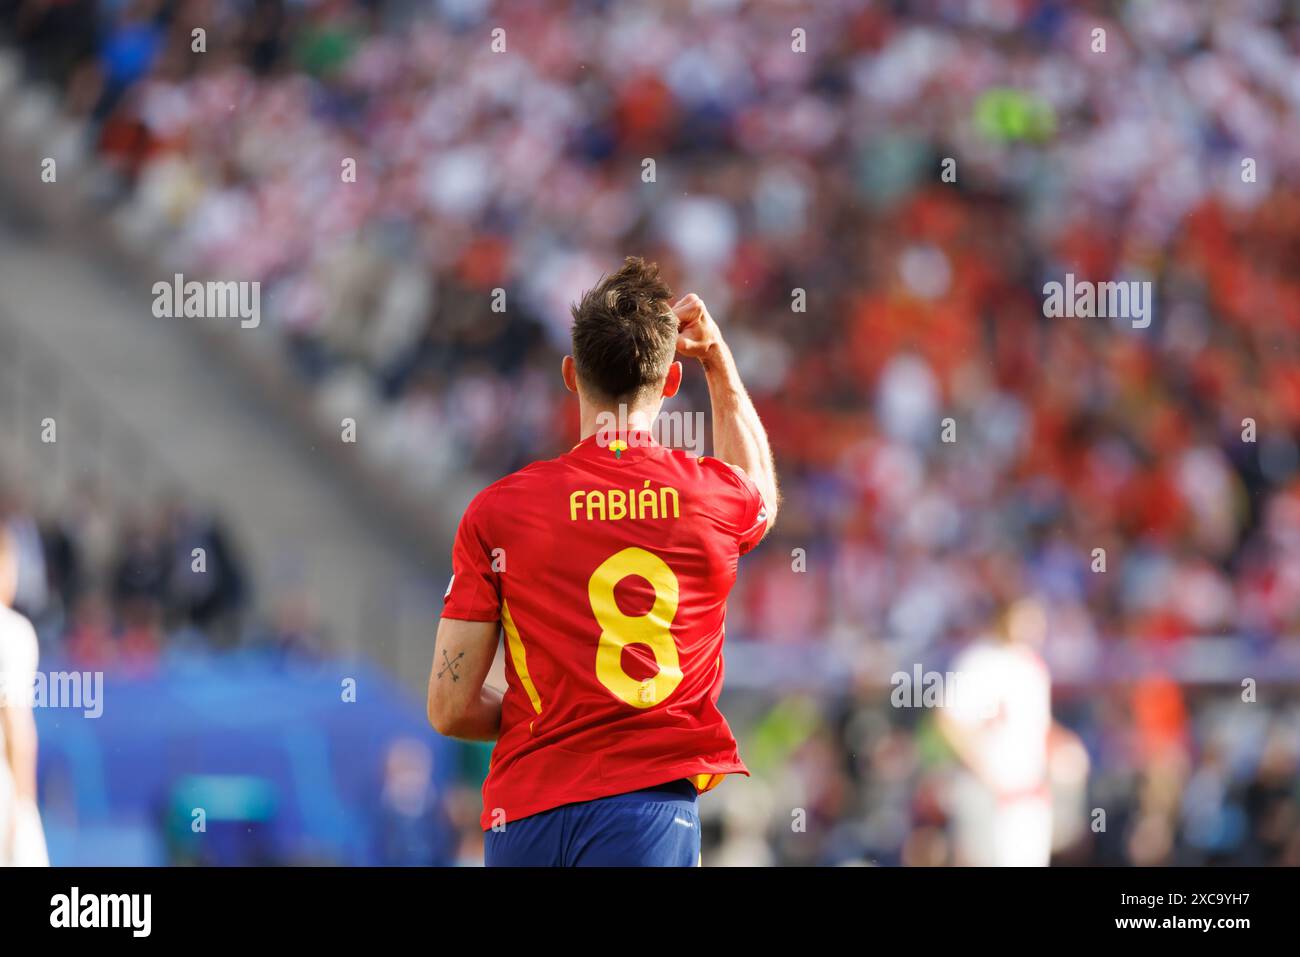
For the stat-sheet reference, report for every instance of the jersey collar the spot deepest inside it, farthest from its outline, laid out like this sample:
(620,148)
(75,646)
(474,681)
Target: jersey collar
(616,442)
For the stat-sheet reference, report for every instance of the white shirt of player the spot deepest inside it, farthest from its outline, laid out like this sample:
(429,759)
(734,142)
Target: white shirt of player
(19,653)
(1003,701)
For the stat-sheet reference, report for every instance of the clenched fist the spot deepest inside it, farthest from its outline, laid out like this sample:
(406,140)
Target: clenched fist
(698,336)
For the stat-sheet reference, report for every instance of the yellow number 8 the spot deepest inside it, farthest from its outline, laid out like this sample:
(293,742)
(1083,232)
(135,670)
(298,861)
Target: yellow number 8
(651,629)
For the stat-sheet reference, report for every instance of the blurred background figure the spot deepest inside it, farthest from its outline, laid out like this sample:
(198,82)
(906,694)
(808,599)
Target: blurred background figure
(415,829)
(998,720)
(22,839)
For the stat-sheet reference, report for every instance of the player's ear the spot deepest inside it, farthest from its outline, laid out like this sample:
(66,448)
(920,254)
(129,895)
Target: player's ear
(673,381)
(569,371)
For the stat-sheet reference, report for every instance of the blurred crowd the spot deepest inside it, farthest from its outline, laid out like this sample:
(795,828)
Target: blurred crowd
(108,586)
(797,183)
(1173,777)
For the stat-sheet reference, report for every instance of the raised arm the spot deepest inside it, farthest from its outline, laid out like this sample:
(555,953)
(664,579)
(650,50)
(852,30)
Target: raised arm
(739,438)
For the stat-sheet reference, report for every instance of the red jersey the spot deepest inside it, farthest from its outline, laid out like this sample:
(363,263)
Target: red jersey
(609,569)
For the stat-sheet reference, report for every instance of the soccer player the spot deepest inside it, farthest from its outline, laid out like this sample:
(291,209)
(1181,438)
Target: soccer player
(608,570)
(1000,726)
(22,841)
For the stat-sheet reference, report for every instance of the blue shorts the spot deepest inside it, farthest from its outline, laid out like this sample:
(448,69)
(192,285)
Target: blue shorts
(653,827)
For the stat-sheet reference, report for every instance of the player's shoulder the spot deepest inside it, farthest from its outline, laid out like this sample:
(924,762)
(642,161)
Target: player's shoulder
(522,478)
(13,623)
(1032,661)
(729,481)
(17,636)
(522,481)
(979,655)
(706,468)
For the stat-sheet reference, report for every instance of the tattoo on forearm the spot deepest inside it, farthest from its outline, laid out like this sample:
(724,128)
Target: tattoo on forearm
(451,665)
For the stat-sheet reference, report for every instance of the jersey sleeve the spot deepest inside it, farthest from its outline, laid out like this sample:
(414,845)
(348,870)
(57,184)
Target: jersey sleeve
(741,510)
(474,592)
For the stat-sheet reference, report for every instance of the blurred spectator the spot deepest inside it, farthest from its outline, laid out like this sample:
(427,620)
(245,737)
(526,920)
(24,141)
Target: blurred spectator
(414,828)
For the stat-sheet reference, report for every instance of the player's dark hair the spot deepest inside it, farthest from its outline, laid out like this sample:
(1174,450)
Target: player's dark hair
(624,332)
